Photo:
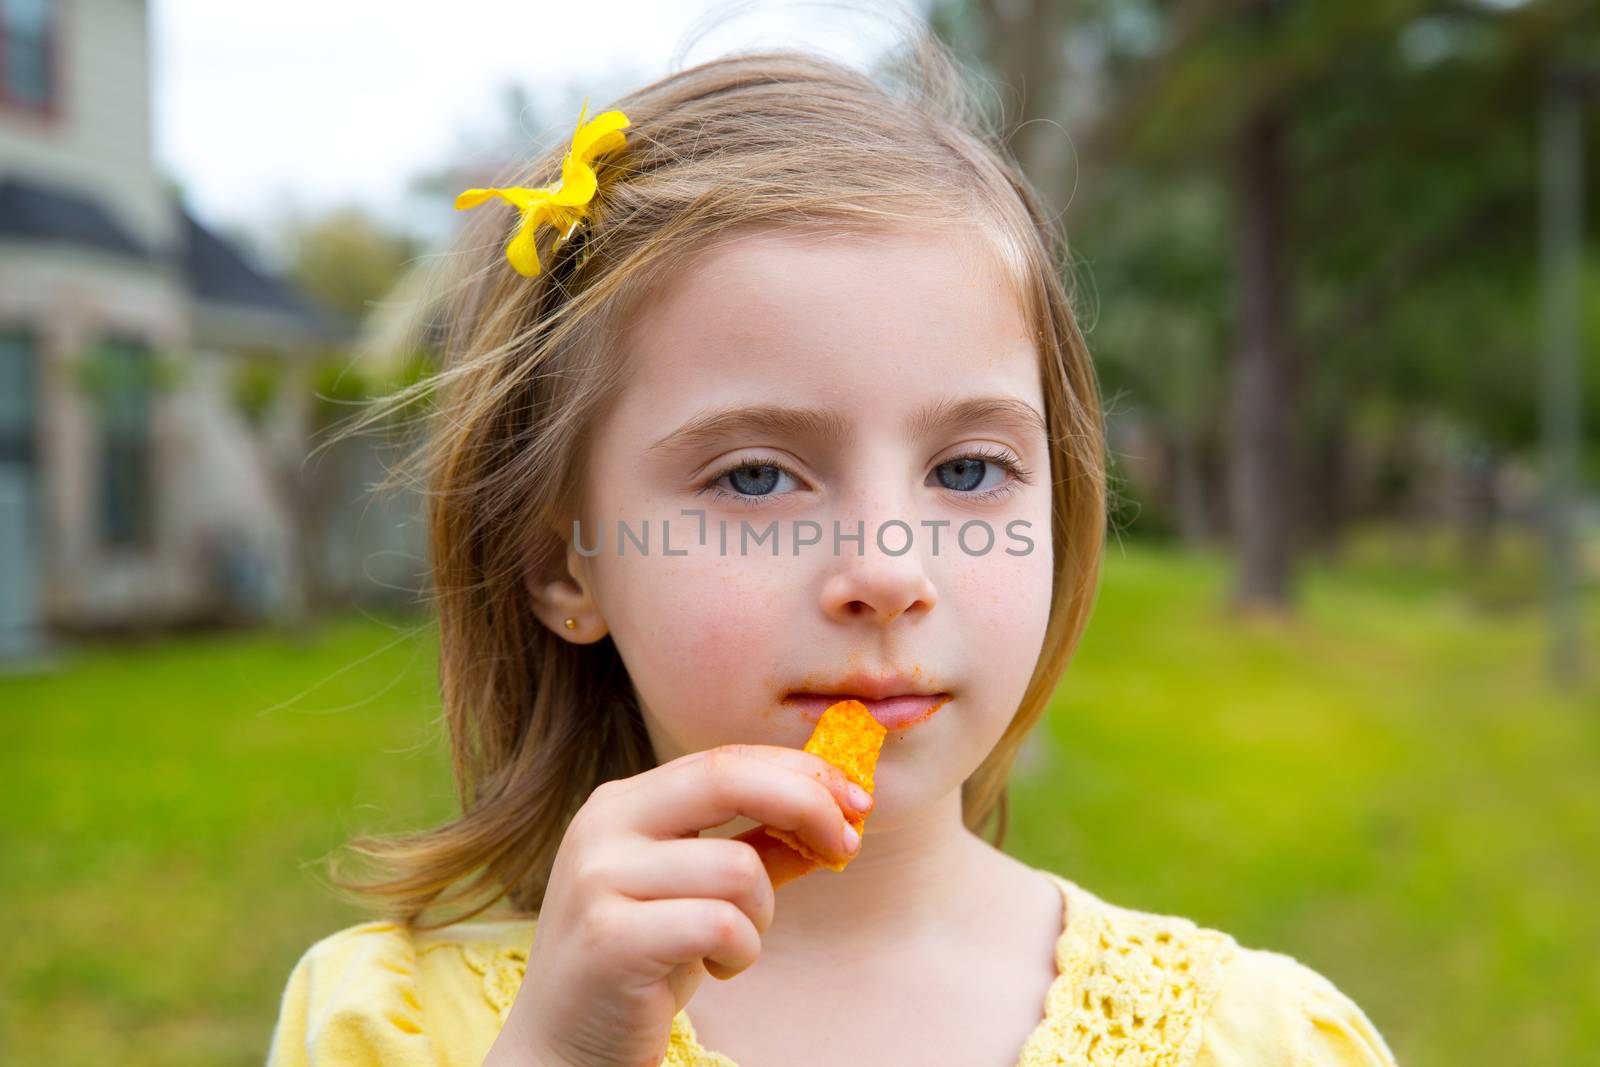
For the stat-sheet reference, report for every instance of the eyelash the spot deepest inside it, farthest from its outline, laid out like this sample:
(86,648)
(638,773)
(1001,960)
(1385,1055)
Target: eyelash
(1020,474)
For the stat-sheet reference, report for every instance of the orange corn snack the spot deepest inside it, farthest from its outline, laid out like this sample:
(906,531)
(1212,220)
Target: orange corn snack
(847,736)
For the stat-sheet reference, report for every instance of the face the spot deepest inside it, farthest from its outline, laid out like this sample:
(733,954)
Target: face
(788,386)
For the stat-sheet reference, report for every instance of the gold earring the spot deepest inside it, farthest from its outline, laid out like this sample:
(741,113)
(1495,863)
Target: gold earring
(572,624)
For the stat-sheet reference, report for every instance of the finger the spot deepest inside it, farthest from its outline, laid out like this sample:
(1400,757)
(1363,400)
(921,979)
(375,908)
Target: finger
(678,930)
(783,863)
(718,971)
(713,867)
(852,797)
(706,789)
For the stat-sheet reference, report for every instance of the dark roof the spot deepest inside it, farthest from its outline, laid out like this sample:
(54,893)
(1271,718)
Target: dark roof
(217,272)
(38,213)
(214,271)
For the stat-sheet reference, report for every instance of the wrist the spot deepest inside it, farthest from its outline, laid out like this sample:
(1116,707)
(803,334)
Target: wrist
(515,1047)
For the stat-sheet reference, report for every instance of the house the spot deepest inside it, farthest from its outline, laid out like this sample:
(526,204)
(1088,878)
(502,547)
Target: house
(135,489)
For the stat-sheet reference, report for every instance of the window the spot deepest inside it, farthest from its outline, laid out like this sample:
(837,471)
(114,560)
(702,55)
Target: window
(19,419)
(27,52)
(19,538)
(18,400)
(126,486)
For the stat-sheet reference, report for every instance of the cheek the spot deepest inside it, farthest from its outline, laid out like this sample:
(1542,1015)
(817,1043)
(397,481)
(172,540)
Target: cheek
(723,627)
(1003,601)
(703,641)
(1002,604)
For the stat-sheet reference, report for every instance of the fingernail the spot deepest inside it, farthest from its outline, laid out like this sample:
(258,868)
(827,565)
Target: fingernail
(860,799)
(851,838)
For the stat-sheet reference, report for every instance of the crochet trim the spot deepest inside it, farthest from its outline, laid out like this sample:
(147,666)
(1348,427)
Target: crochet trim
(501,967)
(1131,989)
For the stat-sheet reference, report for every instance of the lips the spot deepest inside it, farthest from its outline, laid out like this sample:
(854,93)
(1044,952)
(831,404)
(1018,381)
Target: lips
(893,712)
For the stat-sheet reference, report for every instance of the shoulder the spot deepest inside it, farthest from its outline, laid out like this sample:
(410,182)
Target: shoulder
(1271,1008)
(1133,982)
(383,992)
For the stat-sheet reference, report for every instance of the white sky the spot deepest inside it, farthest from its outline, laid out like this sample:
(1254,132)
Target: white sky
(260,108)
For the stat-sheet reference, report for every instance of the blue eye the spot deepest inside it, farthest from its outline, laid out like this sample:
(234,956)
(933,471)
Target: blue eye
(977,475)
(964,474)
(980,474)
(750,480)
(757,480)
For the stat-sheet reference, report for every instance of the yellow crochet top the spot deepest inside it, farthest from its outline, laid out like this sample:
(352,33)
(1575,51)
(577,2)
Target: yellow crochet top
(1132,989)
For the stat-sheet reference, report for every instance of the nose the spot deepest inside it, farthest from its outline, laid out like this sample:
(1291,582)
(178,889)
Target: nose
(877,584)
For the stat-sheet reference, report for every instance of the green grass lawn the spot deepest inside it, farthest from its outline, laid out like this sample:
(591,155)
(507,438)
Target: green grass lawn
(1387,789)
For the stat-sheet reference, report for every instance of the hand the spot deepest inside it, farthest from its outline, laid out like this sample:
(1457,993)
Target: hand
(639,906)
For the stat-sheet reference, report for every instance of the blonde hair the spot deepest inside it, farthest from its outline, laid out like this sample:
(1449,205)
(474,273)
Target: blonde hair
(773,139)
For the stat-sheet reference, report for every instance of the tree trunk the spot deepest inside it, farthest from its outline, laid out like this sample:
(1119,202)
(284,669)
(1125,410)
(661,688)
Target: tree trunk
(1263,468)
(1026,46)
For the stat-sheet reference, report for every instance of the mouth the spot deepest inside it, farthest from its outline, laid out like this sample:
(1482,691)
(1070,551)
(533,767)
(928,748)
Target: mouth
(893,710)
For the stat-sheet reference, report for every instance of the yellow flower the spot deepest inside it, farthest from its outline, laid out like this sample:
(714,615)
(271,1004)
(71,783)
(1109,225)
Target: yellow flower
(562,205)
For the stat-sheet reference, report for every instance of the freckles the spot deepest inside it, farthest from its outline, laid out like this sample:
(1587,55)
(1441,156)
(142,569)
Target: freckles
(708,610)
(983,579)
(723,622)
(700,643)
(999,593)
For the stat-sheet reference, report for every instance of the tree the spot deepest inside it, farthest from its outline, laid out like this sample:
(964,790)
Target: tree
(345,258)
(1373,162)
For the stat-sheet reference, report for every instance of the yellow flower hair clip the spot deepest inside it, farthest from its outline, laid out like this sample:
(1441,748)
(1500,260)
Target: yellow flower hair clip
(564,204)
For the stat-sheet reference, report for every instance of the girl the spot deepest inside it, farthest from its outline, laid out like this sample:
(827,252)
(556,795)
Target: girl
(793,407)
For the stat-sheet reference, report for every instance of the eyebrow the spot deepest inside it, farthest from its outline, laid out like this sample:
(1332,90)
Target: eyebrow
(823,425)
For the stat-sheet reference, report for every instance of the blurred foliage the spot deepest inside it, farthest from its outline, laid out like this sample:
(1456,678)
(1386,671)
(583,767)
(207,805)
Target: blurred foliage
(345,258)
(349,261)
(338,386)
(344,387)
(107,369)
(255,381)
(1412,203)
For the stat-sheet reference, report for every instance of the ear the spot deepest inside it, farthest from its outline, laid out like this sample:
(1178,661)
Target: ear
(567,593)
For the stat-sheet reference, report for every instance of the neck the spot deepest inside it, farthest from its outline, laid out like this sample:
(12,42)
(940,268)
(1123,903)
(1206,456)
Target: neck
(905,883)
